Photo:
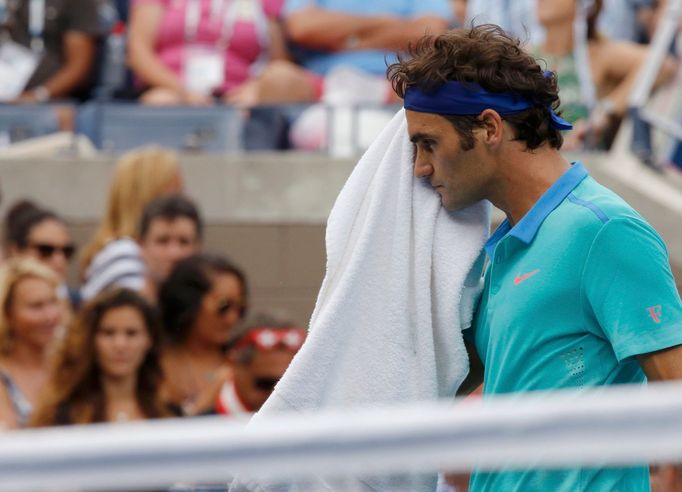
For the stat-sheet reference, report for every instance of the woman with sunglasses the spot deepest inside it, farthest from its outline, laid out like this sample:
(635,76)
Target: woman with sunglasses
(28,323)
(107,367)
(113,257)
(40,233)
(201,301)
(259,353)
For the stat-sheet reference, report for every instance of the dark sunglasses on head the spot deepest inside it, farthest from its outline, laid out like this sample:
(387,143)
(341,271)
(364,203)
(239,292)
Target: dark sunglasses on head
(227,305)
(265,384)
(48,250)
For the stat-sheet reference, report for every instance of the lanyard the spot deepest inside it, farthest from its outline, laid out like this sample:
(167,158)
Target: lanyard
(36,24)
(216,7)
(192,18)
(230,17)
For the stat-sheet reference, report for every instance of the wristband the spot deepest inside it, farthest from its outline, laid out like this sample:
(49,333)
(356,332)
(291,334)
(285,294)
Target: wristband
(41,93)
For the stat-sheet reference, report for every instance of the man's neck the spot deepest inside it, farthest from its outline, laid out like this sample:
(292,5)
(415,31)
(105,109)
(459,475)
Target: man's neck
(526,177)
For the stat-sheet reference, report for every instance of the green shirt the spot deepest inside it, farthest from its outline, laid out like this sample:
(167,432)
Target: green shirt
(573,292)
(572,108)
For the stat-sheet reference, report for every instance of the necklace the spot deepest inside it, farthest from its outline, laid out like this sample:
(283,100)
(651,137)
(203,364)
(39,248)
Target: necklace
(197,378)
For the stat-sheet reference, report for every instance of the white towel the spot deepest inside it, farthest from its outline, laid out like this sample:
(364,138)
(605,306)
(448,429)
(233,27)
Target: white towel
(402,277)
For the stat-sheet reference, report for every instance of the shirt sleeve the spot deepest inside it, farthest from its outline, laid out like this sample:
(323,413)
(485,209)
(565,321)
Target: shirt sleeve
(83,17)
(118,264)
(291,6)
(630,290)
(439,8)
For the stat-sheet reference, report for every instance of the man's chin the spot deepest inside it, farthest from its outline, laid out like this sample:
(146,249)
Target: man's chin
(449,205)
(453,207)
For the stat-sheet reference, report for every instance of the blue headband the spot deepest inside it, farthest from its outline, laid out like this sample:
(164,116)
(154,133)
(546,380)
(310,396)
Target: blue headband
(456,98)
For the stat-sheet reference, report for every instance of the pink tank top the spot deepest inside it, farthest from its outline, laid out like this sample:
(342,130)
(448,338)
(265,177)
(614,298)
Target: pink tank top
(245,32)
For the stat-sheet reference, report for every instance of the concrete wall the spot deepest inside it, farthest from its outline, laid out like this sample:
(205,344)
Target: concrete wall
(266,211)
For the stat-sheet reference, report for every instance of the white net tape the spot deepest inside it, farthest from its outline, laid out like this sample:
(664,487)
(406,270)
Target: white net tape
(614,426)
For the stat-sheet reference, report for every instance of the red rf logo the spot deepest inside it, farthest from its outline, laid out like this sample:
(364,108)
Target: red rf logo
(655,313)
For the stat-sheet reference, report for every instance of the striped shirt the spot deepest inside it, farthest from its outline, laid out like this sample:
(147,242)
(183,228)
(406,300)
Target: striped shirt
(118,264)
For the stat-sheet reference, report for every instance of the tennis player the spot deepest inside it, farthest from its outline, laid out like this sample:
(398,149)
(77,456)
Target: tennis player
(578,288)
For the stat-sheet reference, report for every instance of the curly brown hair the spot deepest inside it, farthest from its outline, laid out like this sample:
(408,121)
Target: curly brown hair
(487,56)
(74,393)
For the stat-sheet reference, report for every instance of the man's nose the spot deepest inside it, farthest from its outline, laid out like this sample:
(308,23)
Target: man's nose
(422,168)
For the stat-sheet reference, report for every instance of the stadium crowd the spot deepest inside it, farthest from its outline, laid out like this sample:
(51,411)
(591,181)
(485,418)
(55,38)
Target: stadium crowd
(245,54)
(157,327)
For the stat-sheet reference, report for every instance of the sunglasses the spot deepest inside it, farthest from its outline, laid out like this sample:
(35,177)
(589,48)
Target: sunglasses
(265,384)
(227,305)
(271,338)
(48,250)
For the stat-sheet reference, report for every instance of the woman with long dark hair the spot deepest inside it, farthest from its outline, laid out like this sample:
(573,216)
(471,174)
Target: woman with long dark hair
(202,300)
(107,368)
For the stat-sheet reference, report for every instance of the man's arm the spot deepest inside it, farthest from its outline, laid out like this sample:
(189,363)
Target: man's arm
(400,35)
(662,365)
(318,28)
(79,52)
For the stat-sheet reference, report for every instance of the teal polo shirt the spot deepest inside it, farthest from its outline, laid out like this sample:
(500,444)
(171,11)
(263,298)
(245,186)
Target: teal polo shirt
(573,292)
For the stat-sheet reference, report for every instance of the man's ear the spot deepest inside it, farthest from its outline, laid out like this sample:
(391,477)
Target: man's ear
(493,127)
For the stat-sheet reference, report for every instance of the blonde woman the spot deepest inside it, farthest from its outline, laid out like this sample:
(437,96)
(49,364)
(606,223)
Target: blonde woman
(28,323)
(113,258)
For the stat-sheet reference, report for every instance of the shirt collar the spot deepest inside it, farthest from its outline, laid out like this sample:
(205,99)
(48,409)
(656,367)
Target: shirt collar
(526,229)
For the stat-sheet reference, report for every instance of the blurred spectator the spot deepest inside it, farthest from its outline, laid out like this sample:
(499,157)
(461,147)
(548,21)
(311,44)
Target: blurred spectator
(259,354)
(355,33)
(107,368)
(40,233)
(517,17)
(113,257)
(345,45)
(188,51)
(170,230)
(594,92)
(51,48)
(201,302)
(627,20)
(28,324)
